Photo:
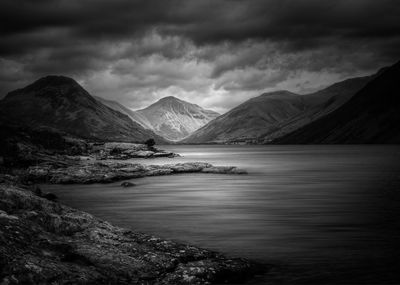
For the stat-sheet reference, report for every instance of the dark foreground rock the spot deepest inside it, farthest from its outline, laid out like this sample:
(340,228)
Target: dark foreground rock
(109,171)
(44,242)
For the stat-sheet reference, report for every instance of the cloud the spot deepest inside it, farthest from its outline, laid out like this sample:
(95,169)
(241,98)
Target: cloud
(214,53)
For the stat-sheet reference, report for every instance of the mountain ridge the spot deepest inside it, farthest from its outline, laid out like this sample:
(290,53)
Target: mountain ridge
(59,102)
(371,116)
(270,115)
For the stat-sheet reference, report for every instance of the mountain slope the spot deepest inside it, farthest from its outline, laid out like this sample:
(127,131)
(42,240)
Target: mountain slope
(320,104)
(250,119)
(174,119)
(273,114)
(60,103)
(370,116)
(135,116)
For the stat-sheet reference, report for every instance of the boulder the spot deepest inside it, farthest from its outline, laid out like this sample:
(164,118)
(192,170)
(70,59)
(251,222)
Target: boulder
(142,154)
(127,184)
(50,196)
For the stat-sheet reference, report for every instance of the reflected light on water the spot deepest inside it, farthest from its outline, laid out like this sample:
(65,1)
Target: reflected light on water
(327,214)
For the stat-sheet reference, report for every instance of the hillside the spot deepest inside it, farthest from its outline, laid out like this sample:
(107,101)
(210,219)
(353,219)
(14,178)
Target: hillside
(274,114)
(60,103)
(372,115)
(251,119)
(320,104)
(135,116)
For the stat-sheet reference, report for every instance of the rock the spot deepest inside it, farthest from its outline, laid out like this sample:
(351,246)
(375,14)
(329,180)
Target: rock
(39,171)
(127,184)
(188,167)
(42,242)
(107,171)
(165,154)
(142,154)
(224,170)
(9,179)
(50,196)
(37,190)
(123,151)
(4,215)
(124,146)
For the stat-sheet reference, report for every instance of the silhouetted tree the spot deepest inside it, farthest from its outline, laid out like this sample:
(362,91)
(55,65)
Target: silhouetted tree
(150,143)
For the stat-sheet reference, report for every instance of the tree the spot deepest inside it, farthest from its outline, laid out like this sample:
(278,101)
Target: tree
(150,142)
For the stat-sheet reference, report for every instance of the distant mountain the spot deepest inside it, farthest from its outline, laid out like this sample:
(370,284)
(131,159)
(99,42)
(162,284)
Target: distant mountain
(60,103)
(251,119)
(174,119)
(372,115)
(320,104)
(274,114)
(135,116)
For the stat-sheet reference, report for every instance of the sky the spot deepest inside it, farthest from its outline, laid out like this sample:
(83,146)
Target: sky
(215,53)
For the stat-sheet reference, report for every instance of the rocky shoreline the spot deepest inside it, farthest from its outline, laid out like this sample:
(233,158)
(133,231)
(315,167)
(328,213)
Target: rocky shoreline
(45,242)
(110,171)
(122,151)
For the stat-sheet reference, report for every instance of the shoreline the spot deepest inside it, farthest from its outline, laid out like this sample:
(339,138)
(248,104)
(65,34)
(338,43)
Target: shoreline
(44,241)
(108,171)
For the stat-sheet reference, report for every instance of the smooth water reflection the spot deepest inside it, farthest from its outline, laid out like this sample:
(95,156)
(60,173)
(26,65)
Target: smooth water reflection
(325,214)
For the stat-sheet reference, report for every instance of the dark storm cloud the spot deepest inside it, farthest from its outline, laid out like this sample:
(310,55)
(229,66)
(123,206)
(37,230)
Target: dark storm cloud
(303,22)
(194,45)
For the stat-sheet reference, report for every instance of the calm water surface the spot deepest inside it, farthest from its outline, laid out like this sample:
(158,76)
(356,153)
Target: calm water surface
(320,214)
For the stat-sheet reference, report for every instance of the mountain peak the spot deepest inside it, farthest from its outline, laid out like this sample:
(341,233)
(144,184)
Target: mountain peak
(59,102)
(52,86)
(170,99)
(53,81)
(174,118)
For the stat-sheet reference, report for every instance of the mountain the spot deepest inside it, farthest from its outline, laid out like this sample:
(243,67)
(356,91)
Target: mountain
(174,119)
(274,114)
(251,119)
(372,115)
(320,104)
(60,103)
(135,116)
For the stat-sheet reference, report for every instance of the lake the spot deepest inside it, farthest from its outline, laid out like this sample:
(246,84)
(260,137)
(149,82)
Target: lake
(319,214)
